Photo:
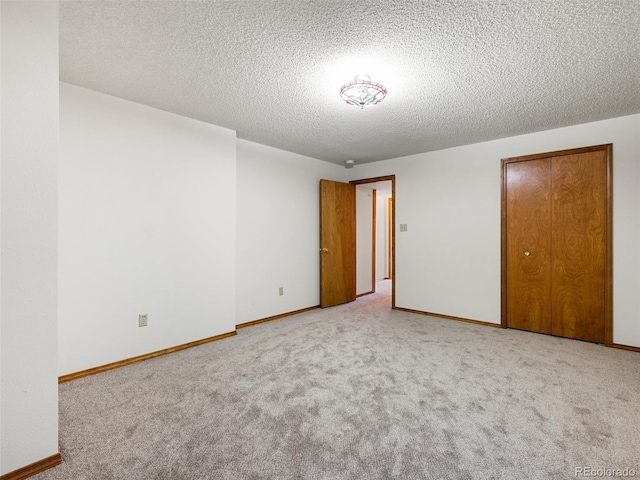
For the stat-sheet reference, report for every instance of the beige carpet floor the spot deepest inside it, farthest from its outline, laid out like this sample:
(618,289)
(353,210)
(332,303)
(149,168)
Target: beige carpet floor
(358,391)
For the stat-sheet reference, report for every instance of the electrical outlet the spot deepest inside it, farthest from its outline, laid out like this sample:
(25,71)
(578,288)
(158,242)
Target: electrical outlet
(142,320)
(403,227)
(281,291)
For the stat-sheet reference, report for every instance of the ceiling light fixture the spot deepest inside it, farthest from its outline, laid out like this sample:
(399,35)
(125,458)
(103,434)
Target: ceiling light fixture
(362,92)
(349,163)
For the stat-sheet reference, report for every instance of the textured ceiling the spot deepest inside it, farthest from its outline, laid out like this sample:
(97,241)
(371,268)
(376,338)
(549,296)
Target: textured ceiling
(457,71)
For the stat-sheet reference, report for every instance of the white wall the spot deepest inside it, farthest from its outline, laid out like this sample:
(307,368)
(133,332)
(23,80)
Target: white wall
(278,230)
(448,261)
(382,236)
(147,225)
(29,199)
(364,239)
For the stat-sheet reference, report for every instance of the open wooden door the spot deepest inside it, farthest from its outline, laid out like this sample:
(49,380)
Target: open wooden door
(337,243)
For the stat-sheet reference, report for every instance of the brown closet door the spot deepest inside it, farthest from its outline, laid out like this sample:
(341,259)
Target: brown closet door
(578,238)
(528,212)
(556,249)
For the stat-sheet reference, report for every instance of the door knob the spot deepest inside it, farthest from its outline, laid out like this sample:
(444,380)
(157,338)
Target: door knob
(527,253)
(324,250)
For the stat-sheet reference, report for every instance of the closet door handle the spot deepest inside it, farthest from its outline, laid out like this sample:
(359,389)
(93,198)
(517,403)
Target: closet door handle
(527,253)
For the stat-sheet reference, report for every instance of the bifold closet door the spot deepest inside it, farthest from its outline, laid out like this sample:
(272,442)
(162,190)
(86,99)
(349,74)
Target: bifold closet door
(578,239)
(556,211)
(529,245)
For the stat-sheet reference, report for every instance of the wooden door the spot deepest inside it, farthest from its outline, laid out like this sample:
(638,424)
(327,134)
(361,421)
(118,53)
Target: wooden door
(557,243)
(578,236)
(337,243)
(529,245)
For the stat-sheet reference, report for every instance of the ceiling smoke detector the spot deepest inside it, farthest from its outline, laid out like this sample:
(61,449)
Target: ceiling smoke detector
(349,163)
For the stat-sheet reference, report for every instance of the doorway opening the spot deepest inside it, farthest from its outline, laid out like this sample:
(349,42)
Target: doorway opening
(375,237)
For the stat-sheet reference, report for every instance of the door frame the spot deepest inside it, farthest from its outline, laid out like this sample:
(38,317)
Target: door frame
(608,293)
(390,223)
(385,178)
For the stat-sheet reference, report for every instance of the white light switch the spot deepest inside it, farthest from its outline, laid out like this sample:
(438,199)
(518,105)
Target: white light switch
(403,227)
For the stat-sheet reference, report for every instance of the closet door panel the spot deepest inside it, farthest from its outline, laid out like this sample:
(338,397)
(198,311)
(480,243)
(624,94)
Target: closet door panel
(528,211)
(578,242)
